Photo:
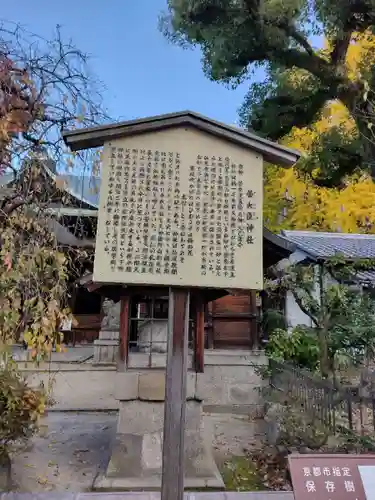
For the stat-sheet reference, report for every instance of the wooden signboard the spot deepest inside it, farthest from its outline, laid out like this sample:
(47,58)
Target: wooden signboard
(333,477)
(180,207)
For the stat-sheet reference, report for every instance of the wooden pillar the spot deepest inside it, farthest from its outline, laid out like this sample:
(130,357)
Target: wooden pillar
(210,325)
(124,329)
(199,335)
(254,335)
(172,483)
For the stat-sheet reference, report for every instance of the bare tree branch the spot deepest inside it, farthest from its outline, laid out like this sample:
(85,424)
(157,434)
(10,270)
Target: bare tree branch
(44,86)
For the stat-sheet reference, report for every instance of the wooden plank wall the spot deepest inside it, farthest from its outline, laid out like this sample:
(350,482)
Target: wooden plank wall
(85,331)
(231,322)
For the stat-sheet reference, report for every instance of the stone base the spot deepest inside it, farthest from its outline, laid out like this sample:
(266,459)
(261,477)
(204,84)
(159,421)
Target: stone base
(105,351)
(109,335)
(135,465)
(136,461)
(103,483)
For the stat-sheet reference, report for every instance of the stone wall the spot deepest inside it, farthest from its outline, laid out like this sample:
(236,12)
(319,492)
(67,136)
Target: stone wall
(229,380)
(232,403)
(78,387)
(228,385)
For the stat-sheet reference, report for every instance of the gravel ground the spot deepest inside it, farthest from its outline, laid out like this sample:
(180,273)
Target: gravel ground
(67,455)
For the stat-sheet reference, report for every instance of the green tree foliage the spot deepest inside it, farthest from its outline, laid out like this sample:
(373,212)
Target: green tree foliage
(239,36)
(299,347)
(20,408)
(341,316)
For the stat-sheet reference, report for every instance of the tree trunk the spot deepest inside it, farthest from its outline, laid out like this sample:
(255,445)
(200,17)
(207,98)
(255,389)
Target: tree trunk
(353,95)
(325,365)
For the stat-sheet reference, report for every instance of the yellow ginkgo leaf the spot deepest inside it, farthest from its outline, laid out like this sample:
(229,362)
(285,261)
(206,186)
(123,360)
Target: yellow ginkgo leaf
(307,206)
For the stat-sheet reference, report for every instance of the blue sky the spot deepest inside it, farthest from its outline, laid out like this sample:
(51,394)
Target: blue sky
(144,74)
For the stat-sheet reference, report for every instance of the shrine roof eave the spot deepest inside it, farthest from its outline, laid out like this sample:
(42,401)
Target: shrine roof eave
(275,248)
(115,291)
(279,241)
(97,136)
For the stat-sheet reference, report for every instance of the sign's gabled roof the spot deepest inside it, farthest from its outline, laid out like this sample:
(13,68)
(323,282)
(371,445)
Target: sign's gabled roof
(97,136)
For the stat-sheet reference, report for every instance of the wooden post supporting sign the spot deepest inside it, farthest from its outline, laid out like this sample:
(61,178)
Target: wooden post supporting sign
(172,487)
(199,334)
(124,329)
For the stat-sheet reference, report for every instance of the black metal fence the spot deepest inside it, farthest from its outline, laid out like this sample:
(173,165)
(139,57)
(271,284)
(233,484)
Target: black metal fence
(346,410)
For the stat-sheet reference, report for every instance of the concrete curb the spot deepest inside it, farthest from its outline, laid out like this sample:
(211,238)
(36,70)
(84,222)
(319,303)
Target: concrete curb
(217,495)
(61,409)
(245,410)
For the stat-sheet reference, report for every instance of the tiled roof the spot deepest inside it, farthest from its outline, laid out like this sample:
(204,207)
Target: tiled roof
(83,187)
(366,276)
(322,245)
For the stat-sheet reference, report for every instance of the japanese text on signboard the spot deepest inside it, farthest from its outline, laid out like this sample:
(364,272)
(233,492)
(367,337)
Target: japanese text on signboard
(330,477)
(154,221)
